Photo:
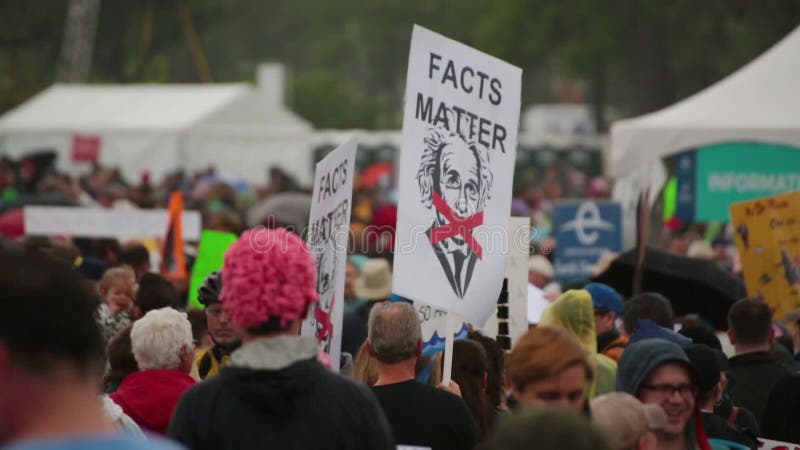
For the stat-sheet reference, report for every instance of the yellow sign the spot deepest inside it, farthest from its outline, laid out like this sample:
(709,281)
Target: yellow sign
(768,238)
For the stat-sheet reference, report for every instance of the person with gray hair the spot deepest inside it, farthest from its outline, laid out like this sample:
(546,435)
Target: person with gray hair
(164,350)
(419,414)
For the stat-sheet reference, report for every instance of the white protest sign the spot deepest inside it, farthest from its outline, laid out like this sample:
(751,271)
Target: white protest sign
(328,237)
(457,162)
(519,234)
(105,223)
(433,323)
(767,444)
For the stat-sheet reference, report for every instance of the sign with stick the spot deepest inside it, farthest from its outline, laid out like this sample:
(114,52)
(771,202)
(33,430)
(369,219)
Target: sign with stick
(767,232)
(328,237)
(456,166)
(457,162)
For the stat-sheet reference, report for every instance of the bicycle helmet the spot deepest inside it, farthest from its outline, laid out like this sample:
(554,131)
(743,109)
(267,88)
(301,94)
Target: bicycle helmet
(210,289)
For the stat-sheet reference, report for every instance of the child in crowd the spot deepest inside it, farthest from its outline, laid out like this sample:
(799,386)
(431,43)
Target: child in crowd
(117,289)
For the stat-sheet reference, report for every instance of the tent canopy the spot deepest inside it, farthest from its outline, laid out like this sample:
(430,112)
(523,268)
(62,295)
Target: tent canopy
(239,129)
(757,103)
(119,108)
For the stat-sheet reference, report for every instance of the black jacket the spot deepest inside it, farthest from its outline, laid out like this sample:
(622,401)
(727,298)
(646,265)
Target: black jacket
(783,411)
(354,328)
(718,428)
(303,406)
(751,377)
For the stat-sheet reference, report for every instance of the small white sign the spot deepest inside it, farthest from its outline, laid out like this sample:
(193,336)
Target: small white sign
(328,237)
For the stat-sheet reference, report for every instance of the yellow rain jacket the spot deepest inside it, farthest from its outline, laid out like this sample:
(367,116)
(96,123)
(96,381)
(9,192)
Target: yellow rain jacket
(573,311)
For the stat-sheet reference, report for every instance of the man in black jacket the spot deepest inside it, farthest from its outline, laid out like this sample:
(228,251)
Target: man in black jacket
(274,393)
(420,415)
(708,365)
(753,371)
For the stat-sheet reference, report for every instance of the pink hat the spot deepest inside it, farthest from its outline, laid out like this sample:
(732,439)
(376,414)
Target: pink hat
(268,273)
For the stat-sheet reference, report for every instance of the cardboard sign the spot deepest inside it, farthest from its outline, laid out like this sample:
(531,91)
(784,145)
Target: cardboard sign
(509,325)
(210,258)
(456,167)
(767,232)
(328,237)
(584,231)
(766,444)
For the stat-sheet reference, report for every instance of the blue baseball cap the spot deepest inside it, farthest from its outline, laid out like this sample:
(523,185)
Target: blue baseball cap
(604,296)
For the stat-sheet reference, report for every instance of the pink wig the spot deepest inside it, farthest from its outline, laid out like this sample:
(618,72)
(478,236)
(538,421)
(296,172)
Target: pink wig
(268,273)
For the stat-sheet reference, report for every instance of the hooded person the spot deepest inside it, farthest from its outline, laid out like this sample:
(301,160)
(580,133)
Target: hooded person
(573,311)
(274,392)
(658,371)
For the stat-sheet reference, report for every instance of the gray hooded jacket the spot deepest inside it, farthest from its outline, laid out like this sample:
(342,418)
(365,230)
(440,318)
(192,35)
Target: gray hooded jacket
(641,359)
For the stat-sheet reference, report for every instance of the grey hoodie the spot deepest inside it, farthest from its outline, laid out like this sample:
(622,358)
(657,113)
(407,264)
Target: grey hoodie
(641,359)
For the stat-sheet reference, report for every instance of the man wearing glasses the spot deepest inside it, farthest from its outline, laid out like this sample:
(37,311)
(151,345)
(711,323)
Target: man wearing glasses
(658,371)
(226,340)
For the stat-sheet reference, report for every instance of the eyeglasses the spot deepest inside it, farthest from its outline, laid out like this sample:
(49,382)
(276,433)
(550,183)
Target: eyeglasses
(685,390)
(601,311)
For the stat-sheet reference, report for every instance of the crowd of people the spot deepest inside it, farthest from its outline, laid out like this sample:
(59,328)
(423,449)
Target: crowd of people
(98,350)
(115,360)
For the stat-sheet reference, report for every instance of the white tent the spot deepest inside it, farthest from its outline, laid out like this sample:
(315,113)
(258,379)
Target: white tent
(238,128)
(757,103)
(246,136)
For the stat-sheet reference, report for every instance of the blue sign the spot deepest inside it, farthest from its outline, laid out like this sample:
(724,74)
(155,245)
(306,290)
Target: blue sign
(583,231)
(686,173)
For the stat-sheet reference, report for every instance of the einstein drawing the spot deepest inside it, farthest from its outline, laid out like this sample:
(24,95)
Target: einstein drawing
(326,278)
(455,183)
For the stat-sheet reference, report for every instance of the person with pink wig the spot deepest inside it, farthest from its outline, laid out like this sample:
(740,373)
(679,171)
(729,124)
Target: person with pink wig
(274,393)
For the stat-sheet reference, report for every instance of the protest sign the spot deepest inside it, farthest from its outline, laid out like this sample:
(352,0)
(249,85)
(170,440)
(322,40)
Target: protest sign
(457,163)
(584,230)
(105,223)
(173,257)
(328,237)
(509,324)
(767,444)
(433,322)
(210,258)
(767,232)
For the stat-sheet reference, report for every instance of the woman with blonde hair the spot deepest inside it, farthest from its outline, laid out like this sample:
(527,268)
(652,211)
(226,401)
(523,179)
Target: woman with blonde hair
(549,367)
(365,367)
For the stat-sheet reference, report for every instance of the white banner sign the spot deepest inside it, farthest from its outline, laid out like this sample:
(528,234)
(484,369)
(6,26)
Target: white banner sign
(519,235)
(766,444)
(457,162)
(328,234)
(433,323)
(105,223)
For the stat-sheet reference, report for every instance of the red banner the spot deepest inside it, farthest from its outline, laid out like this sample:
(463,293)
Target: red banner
(85,148)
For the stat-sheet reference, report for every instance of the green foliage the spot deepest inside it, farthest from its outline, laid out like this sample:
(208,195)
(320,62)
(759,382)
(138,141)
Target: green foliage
(347,58)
